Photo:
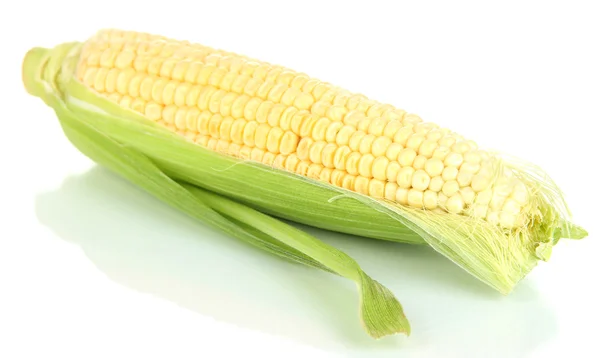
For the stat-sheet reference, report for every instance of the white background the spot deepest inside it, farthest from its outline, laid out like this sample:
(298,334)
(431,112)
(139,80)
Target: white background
(92,267)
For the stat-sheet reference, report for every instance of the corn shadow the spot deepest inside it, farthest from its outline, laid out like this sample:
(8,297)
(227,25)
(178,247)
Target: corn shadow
(145,245)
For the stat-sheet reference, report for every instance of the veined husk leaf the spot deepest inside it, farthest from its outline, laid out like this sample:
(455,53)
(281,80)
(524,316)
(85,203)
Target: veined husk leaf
(498,257)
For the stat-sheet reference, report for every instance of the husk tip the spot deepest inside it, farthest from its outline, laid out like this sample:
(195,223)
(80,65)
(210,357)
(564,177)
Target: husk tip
(32,65)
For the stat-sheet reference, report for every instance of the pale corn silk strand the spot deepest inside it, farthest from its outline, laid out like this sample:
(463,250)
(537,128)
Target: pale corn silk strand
(46,74)
(500,249)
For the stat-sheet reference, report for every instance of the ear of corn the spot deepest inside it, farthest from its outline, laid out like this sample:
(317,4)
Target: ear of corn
(381,313)
(302,149)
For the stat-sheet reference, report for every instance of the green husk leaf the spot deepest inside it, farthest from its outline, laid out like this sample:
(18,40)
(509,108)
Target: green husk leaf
(380,312)
(498,258)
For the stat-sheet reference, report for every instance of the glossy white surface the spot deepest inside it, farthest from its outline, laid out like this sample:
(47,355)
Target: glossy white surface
(92,267)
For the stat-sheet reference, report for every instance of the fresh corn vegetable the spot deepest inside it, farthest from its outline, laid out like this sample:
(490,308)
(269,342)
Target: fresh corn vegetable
(302,149)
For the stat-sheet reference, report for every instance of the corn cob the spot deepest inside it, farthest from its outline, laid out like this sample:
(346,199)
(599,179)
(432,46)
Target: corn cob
(256,111)
(303,149)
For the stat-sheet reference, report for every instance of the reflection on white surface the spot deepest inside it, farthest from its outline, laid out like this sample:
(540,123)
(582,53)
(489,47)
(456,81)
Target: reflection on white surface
(143,244)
